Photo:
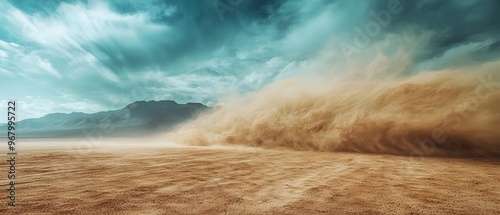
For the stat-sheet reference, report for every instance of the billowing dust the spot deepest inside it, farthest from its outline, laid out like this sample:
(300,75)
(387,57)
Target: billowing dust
(452,112)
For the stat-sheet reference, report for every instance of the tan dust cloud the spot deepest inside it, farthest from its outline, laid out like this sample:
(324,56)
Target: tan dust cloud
(439,113)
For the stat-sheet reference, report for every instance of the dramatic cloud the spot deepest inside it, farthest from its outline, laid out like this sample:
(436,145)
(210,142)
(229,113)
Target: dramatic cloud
(93,55)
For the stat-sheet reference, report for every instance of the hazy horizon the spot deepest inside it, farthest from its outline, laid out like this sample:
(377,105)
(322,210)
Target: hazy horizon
(90,56)
(274,106)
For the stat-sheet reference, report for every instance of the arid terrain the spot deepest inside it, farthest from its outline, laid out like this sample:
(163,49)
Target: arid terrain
(164,179)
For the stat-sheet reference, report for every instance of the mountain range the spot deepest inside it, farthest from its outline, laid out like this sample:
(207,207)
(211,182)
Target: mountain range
(138,118)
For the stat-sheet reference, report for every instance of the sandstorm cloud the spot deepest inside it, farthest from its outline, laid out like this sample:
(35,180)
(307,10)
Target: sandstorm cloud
(409,78)
(98,55)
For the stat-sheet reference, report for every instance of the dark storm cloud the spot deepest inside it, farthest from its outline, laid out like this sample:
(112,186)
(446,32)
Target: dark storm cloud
(193,30)
(110,53)
(453,22)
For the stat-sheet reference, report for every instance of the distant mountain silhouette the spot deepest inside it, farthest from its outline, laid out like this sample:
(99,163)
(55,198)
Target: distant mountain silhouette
(138,118)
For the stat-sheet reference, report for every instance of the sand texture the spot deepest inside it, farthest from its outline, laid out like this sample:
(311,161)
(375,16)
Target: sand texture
(211,180)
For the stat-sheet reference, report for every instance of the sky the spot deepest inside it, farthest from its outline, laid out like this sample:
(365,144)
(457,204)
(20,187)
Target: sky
(96,55)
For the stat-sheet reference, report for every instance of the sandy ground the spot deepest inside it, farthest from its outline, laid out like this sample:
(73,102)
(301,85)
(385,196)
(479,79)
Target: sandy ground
(219,180)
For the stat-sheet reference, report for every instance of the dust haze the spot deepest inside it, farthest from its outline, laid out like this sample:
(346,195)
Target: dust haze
(408,124)
(381,109)
(260,154)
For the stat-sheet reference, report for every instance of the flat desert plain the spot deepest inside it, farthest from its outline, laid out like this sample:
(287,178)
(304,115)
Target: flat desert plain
(150,177)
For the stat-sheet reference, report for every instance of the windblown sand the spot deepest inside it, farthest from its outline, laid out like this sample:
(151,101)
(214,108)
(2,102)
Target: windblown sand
(217,180)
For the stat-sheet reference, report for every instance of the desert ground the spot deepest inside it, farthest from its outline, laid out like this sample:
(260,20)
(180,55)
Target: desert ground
(150,177)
